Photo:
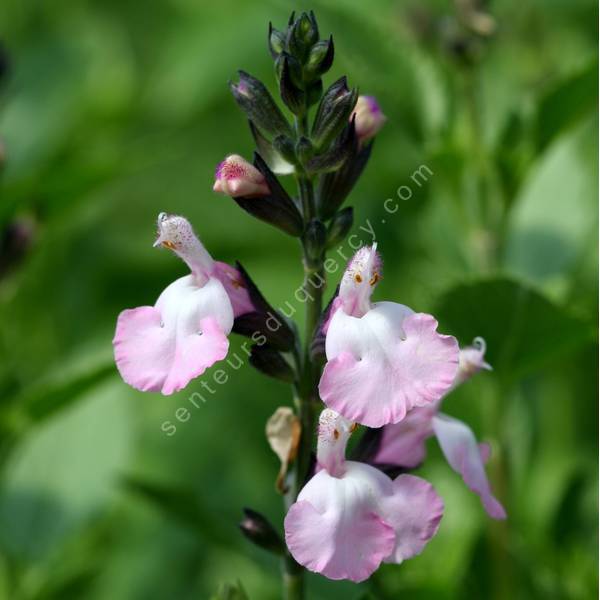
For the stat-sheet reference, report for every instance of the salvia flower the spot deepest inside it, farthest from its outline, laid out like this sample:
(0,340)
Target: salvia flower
(350,517)
(383,359)
(236,177)
(403,444)
(369,118)
(163,347)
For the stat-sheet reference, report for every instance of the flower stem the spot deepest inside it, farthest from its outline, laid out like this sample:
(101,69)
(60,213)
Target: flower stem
(306,394)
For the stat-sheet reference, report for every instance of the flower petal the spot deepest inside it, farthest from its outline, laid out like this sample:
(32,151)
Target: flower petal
(162,348)
(403,443)
(333,436)
(385,363)
(333,528)
(467,458)
(414,510)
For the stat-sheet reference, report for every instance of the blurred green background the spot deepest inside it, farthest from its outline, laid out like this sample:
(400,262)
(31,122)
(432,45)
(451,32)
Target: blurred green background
(116,110)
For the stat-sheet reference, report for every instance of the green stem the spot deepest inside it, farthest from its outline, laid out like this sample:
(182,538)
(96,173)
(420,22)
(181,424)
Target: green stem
(306,394)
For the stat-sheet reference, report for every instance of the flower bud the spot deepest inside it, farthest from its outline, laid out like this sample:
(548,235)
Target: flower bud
(302,34)
(320,58)
(341,151)
(277,208)
(285,147)
(314,241)
(293,96)
(256,101)
(334,187)
(276,162)
(314,91)
(259,531)
(334,110)
(276,41)
(236,177)
(340,226)
(304,149)
(369,118)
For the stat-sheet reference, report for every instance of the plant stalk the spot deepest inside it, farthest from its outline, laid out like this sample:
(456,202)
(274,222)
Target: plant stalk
(306,397)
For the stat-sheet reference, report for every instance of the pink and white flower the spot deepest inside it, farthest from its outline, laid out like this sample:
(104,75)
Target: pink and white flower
(236,177)
(403,444)
(383,359)
(369,118)
(351,517)
(163,347)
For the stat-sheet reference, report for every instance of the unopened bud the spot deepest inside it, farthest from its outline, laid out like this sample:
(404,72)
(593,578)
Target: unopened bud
(276,41)
(259,531)
(285,147)
(315,237)
(291,94)
(236,177)
(343,148)
(302,34)
(320,58)
(304,149)
(256,101)
(369,117)
(340,226)
(334,110)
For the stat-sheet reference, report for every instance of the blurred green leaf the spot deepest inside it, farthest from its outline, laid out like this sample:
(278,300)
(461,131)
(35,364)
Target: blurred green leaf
(550,229)
(49,397)
(63,473)
(523,330)
(566,103)
(182,504)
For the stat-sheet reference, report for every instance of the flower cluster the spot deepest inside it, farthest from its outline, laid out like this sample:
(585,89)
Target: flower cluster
(381,365)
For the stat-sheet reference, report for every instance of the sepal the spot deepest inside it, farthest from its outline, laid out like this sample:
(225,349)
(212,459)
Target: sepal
(265,320)
(276,41)
(334,187)
(317,345)
(277,208)
(258,529)
(269,361)
(340,152)
(302,35)
(314,237)
(320,58)
(333,113)
(293,96)
(256,101)
(275,161)
(339,226)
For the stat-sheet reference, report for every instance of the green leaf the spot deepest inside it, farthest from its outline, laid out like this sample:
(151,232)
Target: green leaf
(182,504)
(64,472)
(567,103)
(550,227)
(523,330)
